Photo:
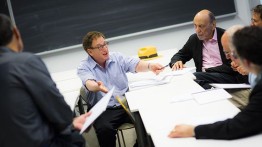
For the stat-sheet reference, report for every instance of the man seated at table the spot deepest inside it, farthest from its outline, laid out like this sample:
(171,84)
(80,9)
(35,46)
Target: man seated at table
(206,50)
(248,48)
(101,71)
(239,96)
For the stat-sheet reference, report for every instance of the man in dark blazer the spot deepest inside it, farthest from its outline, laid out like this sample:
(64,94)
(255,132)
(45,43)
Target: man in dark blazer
(207,52)
(248,122)
(33,112)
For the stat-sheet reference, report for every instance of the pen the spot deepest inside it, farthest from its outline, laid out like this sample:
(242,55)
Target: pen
(164,66)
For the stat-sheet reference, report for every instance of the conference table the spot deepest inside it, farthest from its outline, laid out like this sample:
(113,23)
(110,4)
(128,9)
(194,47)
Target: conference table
(157,111)
(69,84)
(160,108)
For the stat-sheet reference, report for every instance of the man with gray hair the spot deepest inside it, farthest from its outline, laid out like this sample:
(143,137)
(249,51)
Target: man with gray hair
(239,96)
(204,47)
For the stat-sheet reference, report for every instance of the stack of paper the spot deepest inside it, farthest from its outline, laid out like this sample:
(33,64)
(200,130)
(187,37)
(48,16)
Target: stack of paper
(162,78)
(146,83)
(175,73)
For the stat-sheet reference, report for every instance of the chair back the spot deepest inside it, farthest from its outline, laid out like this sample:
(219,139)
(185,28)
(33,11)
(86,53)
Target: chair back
(124,104)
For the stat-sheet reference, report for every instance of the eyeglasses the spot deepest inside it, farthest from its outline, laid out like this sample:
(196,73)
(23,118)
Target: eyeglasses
(100,47)
(254,20)
(227,53)
(234,55)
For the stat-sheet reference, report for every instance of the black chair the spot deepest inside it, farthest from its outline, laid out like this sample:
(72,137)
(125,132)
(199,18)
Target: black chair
(83,107)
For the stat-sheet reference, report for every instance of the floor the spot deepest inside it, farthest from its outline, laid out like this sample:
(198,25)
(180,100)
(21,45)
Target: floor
(91,139)
(129,136)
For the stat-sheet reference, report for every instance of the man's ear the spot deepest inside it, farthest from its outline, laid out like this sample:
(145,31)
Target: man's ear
(214,25)
(89,51)
(16,33)
(18,38)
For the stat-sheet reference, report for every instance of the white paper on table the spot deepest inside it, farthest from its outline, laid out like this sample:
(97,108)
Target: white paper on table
(211,95)
(98,109)
(162,78)
(230,86)
(181,97)
(146,83)
(175,73)
(186,95)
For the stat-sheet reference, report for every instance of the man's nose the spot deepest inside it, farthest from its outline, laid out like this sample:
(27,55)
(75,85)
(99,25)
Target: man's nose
(197,29)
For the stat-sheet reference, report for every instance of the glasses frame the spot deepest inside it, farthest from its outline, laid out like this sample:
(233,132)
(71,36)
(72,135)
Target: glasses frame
(227,53)
(234,55)
(101,47)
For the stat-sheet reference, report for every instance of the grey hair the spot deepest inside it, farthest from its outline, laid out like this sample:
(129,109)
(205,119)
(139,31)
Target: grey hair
(211,17)
(230,32)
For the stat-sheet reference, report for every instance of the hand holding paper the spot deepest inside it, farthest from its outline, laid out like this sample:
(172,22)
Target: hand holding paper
(98,109)
(79,121)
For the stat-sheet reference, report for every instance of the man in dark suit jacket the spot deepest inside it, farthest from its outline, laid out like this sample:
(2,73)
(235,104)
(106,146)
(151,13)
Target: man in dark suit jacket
(33,112)
(207,52)
(248,122)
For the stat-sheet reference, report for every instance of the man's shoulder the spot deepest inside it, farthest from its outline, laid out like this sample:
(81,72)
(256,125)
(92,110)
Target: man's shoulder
(193,36)
(24,57)
(193,39)
(19,57)
(220,30)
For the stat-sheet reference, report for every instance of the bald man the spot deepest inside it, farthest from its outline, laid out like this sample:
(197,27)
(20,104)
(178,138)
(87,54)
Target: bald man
(205,48)
(239,96)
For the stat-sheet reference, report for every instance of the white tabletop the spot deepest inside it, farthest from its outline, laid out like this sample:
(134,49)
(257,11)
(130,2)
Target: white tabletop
(64,75)
(159,114)
(139,97)
(71,98)
(69,85)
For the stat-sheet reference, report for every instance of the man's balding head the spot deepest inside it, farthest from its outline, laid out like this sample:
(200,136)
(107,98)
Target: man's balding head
(205,24)
(226,40)
(205,15)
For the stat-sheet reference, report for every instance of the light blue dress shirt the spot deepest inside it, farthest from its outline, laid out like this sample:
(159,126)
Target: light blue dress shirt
(114,74)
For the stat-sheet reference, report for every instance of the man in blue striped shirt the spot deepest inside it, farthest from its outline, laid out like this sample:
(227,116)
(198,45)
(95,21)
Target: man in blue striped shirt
(101,71)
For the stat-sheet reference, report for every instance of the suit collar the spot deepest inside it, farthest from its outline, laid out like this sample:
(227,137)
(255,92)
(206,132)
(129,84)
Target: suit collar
(5,50)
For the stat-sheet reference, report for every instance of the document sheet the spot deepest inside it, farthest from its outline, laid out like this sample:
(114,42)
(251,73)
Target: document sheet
(230,86)
(98,109)
(162,78)
(211,95)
